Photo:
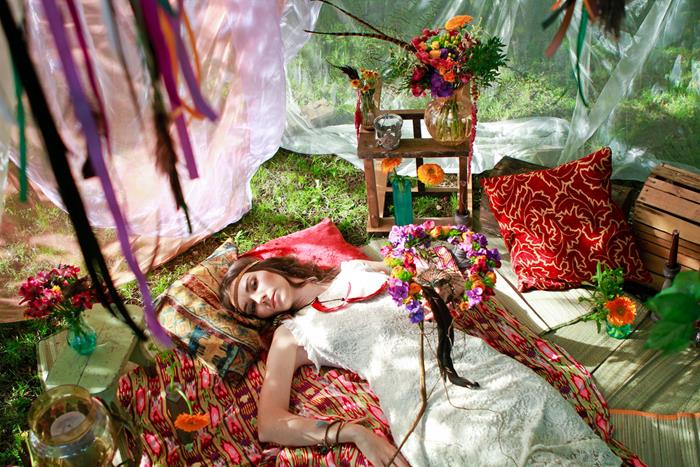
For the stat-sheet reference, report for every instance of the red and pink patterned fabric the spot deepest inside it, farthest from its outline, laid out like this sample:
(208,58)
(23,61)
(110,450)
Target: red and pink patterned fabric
(231,438)
(559,223)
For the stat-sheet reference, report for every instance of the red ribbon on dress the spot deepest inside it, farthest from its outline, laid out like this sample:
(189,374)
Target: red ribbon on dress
(346,301)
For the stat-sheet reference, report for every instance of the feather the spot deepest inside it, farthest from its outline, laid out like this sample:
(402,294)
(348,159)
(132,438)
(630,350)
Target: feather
(443,318)
(109,15)
(347,69)
(400,43)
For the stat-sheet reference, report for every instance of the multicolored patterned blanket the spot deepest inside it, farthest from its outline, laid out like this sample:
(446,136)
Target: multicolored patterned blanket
(231,437)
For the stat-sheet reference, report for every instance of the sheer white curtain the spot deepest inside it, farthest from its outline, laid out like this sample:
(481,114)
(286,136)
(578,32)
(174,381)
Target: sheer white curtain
(553,129)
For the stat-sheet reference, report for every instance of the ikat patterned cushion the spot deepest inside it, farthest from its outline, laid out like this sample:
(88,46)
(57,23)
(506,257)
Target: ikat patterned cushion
(559,223)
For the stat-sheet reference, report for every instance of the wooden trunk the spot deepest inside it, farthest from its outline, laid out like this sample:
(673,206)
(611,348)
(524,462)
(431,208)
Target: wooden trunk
(669,200)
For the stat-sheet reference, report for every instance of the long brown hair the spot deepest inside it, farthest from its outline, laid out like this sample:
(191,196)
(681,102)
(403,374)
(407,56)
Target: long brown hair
(286,266)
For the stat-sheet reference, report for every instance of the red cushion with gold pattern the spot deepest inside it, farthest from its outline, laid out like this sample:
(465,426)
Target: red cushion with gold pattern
(559,223)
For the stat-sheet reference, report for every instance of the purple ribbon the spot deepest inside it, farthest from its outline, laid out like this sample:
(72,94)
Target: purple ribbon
(149,9)
(197,98)
(88,65)
(84,114)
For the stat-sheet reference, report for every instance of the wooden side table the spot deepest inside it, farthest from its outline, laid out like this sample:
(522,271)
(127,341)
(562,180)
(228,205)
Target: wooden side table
(98,372)
(412,148)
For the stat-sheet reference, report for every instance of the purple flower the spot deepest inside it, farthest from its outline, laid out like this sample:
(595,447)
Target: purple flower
(474,296)
(439,87)
(415,311)
(480,239)
(398,290)
(493,254)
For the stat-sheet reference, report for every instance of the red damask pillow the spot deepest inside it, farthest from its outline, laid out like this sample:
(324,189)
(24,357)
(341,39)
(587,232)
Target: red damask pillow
(559,223)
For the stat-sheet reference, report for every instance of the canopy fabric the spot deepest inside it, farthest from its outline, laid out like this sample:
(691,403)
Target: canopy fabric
(513,121)
(248,48)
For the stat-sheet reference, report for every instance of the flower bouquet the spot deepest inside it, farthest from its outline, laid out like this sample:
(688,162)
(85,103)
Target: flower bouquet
(429,174)
(60,293)
(367,84)
(609,303)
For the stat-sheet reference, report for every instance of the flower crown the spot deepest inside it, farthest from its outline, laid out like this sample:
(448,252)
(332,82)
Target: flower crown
(411,244)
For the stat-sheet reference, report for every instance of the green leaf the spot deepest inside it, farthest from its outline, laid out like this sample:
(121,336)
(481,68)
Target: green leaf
(688,282)
(669,336)
(675,306)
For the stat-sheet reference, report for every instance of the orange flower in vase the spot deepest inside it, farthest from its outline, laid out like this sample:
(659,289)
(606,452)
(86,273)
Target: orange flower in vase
(191,422)
(390,164)
(621,311)
(431,174)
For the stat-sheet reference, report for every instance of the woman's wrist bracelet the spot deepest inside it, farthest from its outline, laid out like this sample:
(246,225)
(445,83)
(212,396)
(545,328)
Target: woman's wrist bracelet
(327,443)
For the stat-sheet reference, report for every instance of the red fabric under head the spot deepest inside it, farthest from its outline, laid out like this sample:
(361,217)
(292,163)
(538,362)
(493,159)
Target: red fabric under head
(321,244)
(559,223)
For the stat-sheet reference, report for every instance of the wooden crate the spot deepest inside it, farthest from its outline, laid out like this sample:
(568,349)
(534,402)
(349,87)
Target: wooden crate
(669,200)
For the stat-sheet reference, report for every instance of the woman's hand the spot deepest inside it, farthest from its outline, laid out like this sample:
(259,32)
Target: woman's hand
(376,449)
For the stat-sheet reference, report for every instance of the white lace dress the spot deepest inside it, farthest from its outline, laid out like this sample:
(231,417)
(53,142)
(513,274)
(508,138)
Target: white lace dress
(515,418)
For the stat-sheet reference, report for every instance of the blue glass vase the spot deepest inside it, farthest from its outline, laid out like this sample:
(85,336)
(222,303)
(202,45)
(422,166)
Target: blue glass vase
(403,201)
(81,336)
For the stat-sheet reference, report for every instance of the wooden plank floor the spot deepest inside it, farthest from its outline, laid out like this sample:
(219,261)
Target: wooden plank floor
(629,376)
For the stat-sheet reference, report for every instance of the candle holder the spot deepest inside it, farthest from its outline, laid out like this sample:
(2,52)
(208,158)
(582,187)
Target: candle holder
(387,129)
(70,428)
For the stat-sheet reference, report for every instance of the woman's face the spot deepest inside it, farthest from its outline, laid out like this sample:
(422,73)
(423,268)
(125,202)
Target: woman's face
(265,294)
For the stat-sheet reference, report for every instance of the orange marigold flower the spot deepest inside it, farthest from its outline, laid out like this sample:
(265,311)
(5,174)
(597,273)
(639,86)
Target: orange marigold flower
(355,83)
(457,22)
(449,76)
(390,164)
(621,311)
(431,174)
(414,288)
(434,53)
(191,422)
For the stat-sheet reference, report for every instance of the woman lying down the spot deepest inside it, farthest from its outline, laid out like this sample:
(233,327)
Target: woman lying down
(513,417)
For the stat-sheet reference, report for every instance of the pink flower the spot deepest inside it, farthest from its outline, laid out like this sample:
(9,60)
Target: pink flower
(418,74)
(417,90)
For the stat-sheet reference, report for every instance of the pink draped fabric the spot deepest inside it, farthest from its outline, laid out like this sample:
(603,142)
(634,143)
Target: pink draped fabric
(242,67)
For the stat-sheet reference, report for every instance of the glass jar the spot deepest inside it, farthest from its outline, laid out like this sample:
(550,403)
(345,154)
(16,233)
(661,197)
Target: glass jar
(70,428)
(387,129)
(618,332)
(449,119)
(81,336)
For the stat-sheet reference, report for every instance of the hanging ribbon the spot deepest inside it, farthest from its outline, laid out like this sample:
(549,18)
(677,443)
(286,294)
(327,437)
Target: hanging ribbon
(92,79)
(84,114)
(22,128)
(580,41)
(166,158)
(559,36)
(108,14)
(94,261)
(472,134)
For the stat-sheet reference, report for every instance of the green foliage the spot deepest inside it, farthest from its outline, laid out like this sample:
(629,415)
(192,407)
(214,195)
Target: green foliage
(679,308)
(19,383)
(486,58)
(607,285)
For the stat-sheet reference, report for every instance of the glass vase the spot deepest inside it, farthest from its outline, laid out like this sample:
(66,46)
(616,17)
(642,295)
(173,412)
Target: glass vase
(68,427)
(448,119)
(403,201)
(369,105)
(618,332)
(81,336)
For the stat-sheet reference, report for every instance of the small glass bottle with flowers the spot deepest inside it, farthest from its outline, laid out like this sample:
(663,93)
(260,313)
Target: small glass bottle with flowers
(61,294)
(368,86)
(610,305)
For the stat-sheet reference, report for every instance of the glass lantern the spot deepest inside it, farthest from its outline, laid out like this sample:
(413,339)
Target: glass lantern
(70,428)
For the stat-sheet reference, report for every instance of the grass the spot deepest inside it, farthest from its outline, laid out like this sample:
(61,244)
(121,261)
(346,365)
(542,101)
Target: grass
(290,192)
